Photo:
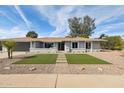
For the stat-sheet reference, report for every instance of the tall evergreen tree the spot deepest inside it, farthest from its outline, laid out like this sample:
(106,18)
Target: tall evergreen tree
(74,25)
(81,28)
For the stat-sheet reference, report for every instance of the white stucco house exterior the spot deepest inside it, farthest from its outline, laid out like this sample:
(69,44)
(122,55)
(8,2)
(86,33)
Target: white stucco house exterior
(55,44)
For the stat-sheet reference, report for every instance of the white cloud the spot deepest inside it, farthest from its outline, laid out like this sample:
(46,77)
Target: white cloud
(114,29)
(62,17)
(58,17)
(105,13)
(27,22)
(15,31)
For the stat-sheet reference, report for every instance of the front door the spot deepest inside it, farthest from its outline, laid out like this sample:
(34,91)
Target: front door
(61,46)
(88,45)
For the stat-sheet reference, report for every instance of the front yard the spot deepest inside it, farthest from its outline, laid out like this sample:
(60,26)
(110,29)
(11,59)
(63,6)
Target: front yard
(84,59)
(39,59)
(78,64)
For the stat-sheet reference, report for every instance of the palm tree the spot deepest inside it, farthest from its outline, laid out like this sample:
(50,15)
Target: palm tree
(10,47)
(32,34)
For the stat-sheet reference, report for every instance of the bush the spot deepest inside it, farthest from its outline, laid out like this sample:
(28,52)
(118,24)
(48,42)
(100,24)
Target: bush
(112,43)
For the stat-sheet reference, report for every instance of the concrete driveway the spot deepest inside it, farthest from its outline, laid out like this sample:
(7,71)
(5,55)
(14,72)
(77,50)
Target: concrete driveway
(61,81)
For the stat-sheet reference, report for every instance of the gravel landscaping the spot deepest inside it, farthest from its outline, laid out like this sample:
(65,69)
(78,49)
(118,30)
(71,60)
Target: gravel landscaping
(117,66)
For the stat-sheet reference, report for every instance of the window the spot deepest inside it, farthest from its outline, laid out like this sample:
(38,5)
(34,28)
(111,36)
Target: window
(48,45)
(74,44)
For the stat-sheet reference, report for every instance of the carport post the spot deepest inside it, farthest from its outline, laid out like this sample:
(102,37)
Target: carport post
(30,44)
(91,48)
(4,49)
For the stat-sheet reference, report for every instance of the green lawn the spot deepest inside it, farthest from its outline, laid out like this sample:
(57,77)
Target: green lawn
(39,59)
(84,59)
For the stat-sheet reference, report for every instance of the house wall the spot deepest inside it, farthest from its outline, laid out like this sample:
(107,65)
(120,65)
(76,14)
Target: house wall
(38,47)
(82,45)
(56,45)
(67,46)
(96,46)
(43,50)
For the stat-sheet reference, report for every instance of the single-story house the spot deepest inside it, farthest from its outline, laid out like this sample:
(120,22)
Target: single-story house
(55,44)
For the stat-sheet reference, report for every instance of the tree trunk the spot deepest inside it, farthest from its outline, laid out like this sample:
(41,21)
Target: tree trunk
(9,54)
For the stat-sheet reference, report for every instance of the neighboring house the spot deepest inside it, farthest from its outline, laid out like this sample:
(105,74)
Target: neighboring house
(55,44)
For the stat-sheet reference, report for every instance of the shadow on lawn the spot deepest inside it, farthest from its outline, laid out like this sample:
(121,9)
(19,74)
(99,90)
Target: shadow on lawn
(24,57)
(29,57)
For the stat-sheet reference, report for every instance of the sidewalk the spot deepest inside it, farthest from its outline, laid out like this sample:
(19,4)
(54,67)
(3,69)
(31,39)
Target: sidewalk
(61,81)
(28,80)
(61,65)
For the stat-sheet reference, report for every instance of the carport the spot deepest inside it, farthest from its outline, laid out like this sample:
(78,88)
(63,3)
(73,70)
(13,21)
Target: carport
(22,46)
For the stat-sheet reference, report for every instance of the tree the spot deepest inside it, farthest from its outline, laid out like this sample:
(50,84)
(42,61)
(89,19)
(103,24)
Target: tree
(81,28)
(10,45)
(74,25)
(112,43)
(123,44)
(32,34)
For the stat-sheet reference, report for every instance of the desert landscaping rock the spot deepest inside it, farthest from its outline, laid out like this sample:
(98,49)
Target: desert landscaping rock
(100,69)
(7,68)
(32,68)
(83,68)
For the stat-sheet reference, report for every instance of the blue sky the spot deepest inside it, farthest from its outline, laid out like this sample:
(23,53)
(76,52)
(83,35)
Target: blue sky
(51,21)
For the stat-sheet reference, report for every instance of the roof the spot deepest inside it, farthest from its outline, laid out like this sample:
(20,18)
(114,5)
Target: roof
(52,39)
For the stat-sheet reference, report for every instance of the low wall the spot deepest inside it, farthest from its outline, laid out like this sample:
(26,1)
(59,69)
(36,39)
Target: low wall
(80,50)
(54,50)
(43,50)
